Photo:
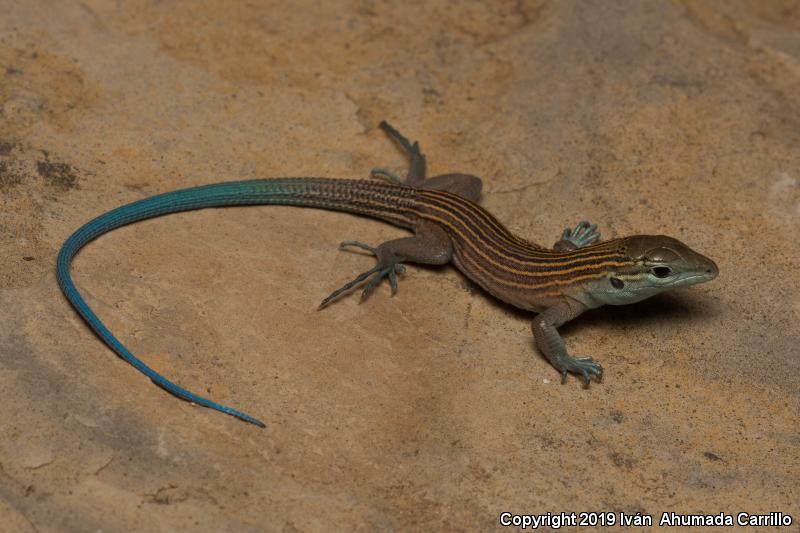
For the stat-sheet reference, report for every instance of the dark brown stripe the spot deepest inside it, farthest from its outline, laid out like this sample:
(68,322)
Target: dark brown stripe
(503,268)
(542,284)
(482,247)
(464,205)
(527,254)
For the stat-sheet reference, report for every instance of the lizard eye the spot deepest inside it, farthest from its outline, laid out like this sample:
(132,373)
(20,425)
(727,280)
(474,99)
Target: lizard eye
(617,283)
(661,272)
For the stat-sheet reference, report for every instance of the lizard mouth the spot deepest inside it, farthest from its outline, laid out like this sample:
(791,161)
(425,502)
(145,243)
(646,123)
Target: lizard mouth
(700,275)
(694,279)
(705,270)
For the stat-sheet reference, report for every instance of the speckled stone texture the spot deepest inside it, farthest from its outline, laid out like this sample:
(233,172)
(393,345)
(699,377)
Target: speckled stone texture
(429,410)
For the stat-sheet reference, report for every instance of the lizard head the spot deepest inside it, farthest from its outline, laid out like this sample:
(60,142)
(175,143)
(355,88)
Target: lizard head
(656,264)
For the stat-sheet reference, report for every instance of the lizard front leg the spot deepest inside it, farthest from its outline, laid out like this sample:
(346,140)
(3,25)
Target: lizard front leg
(583,235)
(552,345)
(430,245)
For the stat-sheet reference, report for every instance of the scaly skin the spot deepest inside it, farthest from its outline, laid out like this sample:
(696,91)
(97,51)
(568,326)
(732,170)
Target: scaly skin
(577,274)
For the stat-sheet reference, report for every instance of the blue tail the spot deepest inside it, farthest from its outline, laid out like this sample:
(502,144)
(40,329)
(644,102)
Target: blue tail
(312,192)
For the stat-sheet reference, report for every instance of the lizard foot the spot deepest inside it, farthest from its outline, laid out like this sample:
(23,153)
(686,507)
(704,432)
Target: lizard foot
(584,234)
(584,366)
(386,174)
(386,268)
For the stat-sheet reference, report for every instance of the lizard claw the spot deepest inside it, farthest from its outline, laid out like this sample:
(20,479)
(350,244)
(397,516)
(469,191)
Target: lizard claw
(583,366)
(384,269)
(584,234)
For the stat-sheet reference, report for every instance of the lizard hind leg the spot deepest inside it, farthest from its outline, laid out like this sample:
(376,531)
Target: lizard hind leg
(387,267)
(417,167)
(430,245)
(386,174)
(464,185)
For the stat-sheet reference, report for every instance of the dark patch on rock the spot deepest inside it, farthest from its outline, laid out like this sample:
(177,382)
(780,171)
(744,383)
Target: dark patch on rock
(8,176)
(622,461)
(60,175)
(168,495)
(712,456)
(6,147)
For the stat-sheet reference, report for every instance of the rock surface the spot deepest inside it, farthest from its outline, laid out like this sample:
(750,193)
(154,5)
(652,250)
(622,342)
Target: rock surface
(429,410)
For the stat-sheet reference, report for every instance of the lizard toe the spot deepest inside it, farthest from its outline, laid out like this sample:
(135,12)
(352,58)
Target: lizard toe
(388,267)
(585,367)
(584,234)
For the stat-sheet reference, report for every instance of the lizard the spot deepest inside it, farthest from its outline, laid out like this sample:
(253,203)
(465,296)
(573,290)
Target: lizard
(578,273)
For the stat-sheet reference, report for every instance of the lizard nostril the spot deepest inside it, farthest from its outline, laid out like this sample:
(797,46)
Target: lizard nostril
(711,270)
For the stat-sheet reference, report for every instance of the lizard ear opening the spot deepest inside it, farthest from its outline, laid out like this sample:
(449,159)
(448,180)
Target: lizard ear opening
(616,283)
